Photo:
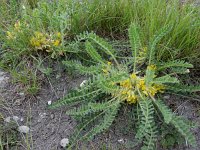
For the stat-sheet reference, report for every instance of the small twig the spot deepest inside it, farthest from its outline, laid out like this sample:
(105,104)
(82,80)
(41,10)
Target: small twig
(52,88)
(180,105)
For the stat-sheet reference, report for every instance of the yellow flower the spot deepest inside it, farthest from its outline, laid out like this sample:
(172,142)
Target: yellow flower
(10,35)
(133,76)
(113,83)
(131,98)
(109,63)
(152,90)
(151,67)
(143,52)
(58,34)
(127,95)
(141,84)
(17,25)
(34,42)
(126,83)
(145,49)
(123,92)
(61,53)
(40,41)
(105,71)
(39,34)
(159,87)
(56,42)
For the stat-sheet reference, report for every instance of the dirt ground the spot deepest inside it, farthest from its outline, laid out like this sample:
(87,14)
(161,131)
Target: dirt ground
(48,127)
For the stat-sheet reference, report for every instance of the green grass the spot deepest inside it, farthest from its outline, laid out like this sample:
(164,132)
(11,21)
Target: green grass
(112,18)
(8,135)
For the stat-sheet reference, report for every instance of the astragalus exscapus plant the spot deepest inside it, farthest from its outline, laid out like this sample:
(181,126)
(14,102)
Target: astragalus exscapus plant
(139,81)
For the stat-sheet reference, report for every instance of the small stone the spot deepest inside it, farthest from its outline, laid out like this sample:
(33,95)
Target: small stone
(1,73)
(187,71)
(23,7)
(21,119)
(3,80)
(121,141)
(64,142)
(21,94)
(58,76)
(15,118)
(18,102)
(42,116)
(83,83)
(38,97)
(23,129)
(166,97)
(52,116)
(49,102)
(7,119)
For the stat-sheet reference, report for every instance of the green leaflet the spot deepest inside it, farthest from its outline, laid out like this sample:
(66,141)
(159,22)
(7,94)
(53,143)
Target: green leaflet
(135,43)
(150,74)
(161,33)
(174,63)
(106,47)
(108,118)
(165,111)
(184,129)
(85,70)
(147,127)
(165,79)
(88,108)
(93,53)
(183,88)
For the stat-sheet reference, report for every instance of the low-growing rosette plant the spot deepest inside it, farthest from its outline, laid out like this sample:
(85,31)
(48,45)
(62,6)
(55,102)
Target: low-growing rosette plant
(138,81)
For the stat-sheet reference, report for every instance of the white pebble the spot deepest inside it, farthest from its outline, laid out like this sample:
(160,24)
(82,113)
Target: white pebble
(64,142)
(21,119)
(7,119)
(49,102)
(42,115)
(187,71)
(166,97)
(83,83)
(15,118)
(23,129)
(21,94)
(121,141)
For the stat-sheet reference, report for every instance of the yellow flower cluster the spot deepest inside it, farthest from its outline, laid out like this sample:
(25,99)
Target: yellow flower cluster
(17,25)
(11,35)
(134,84)
(142,54)
(128,91)
(151,67)
(107,68)
(151,90)
(42,41)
